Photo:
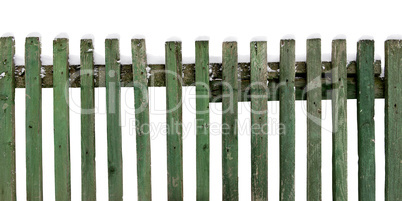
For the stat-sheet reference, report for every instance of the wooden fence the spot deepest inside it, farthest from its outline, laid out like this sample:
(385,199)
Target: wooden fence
(229,83)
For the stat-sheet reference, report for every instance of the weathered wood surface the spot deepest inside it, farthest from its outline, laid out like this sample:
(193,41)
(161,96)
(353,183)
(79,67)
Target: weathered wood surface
(61,120)
(314,96)
(174,137)
(393,120)
(34,180)
(114,141)
(230,181)
(339,122)
(287,121)
(141,105)
(259,119)
(156,77)
(365,119)
(88,163)
(202,118)
(7,120)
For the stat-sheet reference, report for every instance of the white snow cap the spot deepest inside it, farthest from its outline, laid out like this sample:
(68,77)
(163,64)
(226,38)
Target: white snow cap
(34,34)
(366,37)
(230,39)
(259,38)
(202,38)
(61,35)
(88,36)
(289,37)
(113,36)
(394,37)
(8,34)
(138,36)
(340,37)
(314,36)
(174,38)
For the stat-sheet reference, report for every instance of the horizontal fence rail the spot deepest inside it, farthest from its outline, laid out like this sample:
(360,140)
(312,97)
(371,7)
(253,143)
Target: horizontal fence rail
(228,82)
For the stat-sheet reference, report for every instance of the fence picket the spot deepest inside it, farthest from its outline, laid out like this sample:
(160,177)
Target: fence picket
(393,120)
(287,120)
(229,122)
(33,81)
(339,121)
(174,120)
(88,164)
(314,96)
(7,120)
(259,120)
(142,119)
(202,117)
(365,119)
(61,119)
(114,141)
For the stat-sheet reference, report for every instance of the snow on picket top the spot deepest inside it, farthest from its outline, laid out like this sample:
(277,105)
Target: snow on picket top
(314,36)
(138,36)
(61,35)
(113,36)
(202,38)
(35,34)
(173,39)
(258,38)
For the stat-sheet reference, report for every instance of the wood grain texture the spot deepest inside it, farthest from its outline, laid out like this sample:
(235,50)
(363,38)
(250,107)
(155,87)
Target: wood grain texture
(34,180)
(314,96)
(339,122)
(141,104)
(202,118)
(229,122)
(61,120)
(365,119)
(393,120)
(7,120)
(114,141)
(88,163)
(259,121)
(174,120)
(287,120)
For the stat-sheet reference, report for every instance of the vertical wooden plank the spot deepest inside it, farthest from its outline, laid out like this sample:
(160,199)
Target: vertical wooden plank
(259,120)
(339,121)
(61,119)
(7,120)
(114,149)
(33,100)
(314,96)
(174,120)
(142,119)
(365,119)
(393,120)
(202,117)
(229,122)
(88,164)
(287,120)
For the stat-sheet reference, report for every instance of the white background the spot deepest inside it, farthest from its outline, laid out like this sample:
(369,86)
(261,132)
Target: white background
(160,20)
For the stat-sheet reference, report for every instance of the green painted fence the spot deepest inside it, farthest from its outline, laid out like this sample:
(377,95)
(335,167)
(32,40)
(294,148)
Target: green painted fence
(228,82)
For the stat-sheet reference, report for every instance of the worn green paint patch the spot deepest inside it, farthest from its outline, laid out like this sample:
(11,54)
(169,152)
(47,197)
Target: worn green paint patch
(7,120)
(365,119)
(61,120)
(287,120)
(393,120)
(202,118)
(33,98)
(339,122)
(142,119)
(229,122)
(259,120)
(114,141)
(174,136)
(314,96)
